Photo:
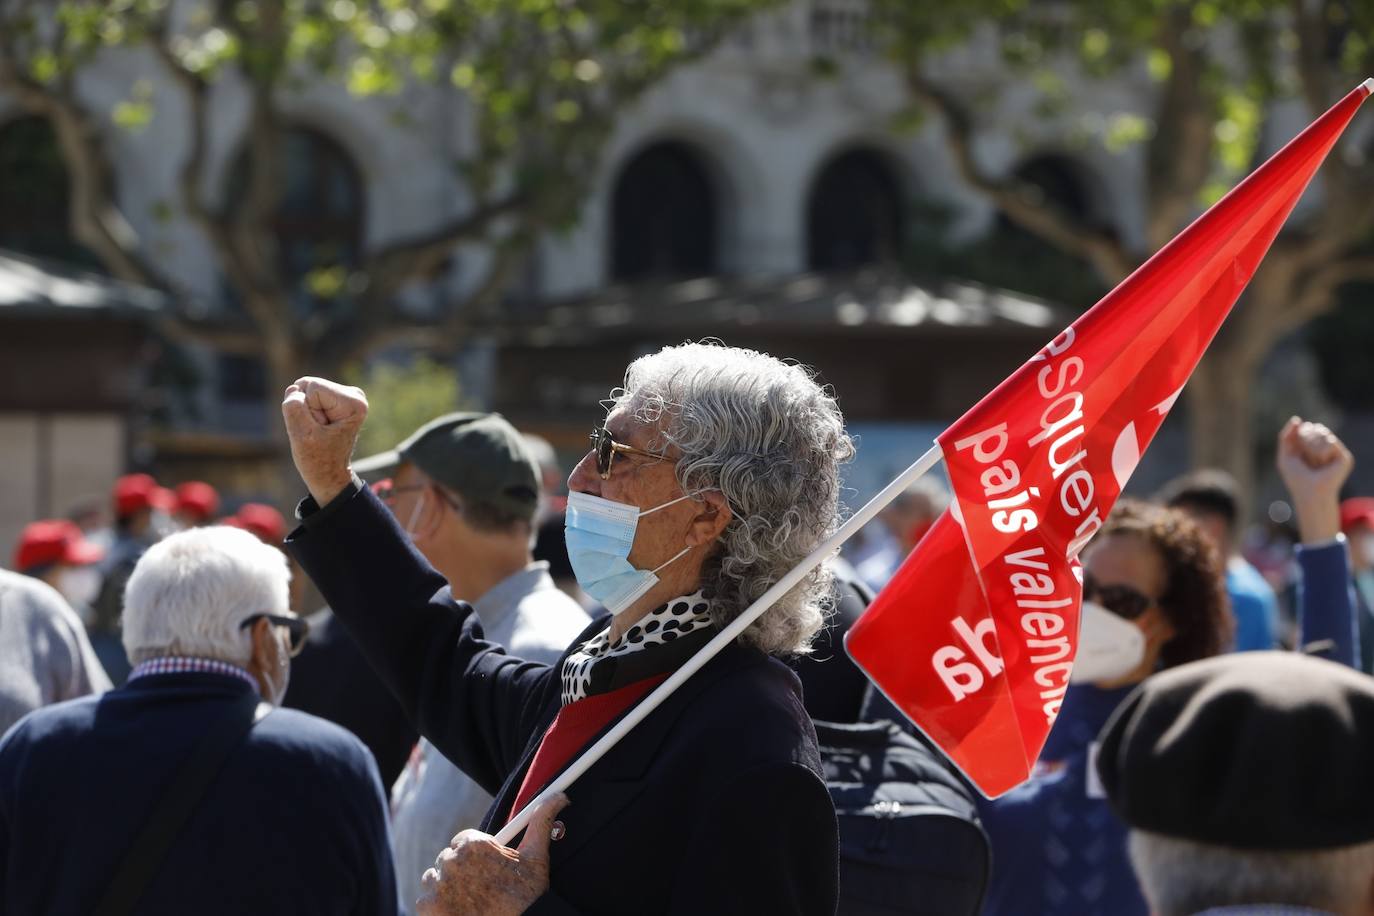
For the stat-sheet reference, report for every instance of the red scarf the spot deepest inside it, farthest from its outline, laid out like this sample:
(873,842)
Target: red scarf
(572,729)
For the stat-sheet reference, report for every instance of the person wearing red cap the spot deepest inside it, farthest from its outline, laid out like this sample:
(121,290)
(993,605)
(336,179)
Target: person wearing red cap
(260,520)
(139,503)
(1357,524)
(135,496)
(45,655)
(269,526)
(197,504)
(56,551)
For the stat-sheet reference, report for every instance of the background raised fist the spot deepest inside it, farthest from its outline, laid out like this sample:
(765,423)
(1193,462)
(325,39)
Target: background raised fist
(1314,465)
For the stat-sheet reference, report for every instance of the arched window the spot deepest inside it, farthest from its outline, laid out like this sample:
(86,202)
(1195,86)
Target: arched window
(35,194)
(319,220)
(1021,260)
(854,213)
(1054,181)
(664,216)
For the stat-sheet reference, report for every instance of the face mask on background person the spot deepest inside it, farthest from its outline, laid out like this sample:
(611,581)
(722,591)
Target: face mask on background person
(278,678)
(79,585)
(1366,549)
(1109,646)
(600,533)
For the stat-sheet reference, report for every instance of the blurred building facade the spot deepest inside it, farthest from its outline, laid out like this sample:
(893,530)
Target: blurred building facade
(76,353)
(746,170)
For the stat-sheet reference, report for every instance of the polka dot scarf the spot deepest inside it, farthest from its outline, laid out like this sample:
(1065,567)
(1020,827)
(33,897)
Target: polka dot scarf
(658,643)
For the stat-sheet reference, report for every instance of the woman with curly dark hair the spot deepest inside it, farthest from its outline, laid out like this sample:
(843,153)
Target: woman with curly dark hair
(1156,568)
(1154,596)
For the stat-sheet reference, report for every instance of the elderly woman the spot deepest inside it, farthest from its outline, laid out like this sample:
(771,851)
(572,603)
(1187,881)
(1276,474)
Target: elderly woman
(715,472)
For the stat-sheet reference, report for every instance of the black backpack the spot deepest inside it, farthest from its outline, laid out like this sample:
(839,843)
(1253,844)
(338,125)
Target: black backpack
(910,840)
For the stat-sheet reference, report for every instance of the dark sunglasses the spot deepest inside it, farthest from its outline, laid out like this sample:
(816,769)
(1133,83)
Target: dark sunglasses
(298,628)
(1122,600)
(607,448)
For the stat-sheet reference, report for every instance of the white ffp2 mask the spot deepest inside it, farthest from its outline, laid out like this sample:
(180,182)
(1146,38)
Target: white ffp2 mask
(1109,646)
(80,585)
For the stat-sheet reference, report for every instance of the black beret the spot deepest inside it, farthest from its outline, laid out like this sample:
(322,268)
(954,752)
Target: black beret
(1256,750)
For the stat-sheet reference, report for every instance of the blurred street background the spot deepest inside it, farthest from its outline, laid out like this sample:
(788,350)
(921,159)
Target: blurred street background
(497,204)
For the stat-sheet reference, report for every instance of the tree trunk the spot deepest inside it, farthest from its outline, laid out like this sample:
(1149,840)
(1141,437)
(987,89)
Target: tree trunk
(283,364)
(1221,414)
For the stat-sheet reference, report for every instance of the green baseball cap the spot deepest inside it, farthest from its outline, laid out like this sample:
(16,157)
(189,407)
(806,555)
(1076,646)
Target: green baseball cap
(475,454)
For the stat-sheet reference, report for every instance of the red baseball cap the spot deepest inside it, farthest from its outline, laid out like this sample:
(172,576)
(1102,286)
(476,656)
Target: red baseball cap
(1356,511)
(54,541)
(134,493)
(197,498)
(261,520)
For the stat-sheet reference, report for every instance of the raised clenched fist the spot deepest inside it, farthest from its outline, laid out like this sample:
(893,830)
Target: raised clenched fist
(1314,465)
(322,421)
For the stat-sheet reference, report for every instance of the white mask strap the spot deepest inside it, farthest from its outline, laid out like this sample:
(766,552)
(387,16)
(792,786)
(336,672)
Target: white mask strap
(673,560)
(671,502)
(415,514)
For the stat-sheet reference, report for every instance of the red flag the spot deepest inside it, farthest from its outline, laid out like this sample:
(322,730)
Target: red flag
(974,637)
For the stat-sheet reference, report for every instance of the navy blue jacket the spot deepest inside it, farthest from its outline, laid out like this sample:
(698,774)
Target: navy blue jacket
(295,823)
(331,679)
(713,804)
(1056,845)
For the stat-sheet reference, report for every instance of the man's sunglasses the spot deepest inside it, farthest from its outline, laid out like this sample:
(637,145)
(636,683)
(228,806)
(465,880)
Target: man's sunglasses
(607,448)
(1122,600)
(387,490)
(297,627)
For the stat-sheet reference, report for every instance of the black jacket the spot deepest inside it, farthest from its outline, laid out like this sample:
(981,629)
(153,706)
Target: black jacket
(834,687)
(294,824)
(713,804)
(332,680)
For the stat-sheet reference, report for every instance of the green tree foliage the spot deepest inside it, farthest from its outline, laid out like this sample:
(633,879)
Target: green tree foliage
(540,81)
(1006,257)
(402,399)
(1215,74)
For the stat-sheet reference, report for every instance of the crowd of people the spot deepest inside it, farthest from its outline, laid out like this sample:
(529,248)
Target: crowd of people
(178,739)
(64,593)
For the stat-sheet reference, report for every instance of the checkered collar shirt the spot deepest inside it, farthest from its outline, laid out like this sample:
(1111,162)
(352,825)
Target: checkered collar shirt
(186,664)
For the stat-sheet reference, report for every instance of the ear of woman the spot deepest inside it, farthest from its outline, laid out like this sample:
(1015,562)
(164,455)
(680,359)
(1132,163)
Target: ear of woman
(711,520)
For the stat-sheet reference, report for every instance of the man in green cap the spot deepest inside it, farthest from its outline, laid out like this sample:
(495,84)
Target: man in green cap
(466,490)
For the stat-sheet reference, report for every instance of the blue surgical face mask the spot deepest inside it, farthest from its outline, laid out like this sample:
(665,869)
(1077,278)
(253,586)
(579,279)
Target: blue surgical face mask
(600,533)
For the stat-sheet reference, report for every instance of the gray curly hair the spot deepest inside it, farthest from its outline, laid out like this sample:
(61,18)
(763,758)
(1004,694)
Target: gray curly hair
(767,436)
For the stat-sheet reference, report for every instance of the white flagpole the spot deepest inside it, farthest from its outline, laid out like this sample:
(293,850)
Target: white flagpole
(722,639)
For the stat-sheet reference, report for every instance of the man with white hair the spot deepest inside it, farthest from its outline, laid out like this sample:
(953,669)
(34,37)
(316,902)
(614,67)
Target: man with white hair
(185,790)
